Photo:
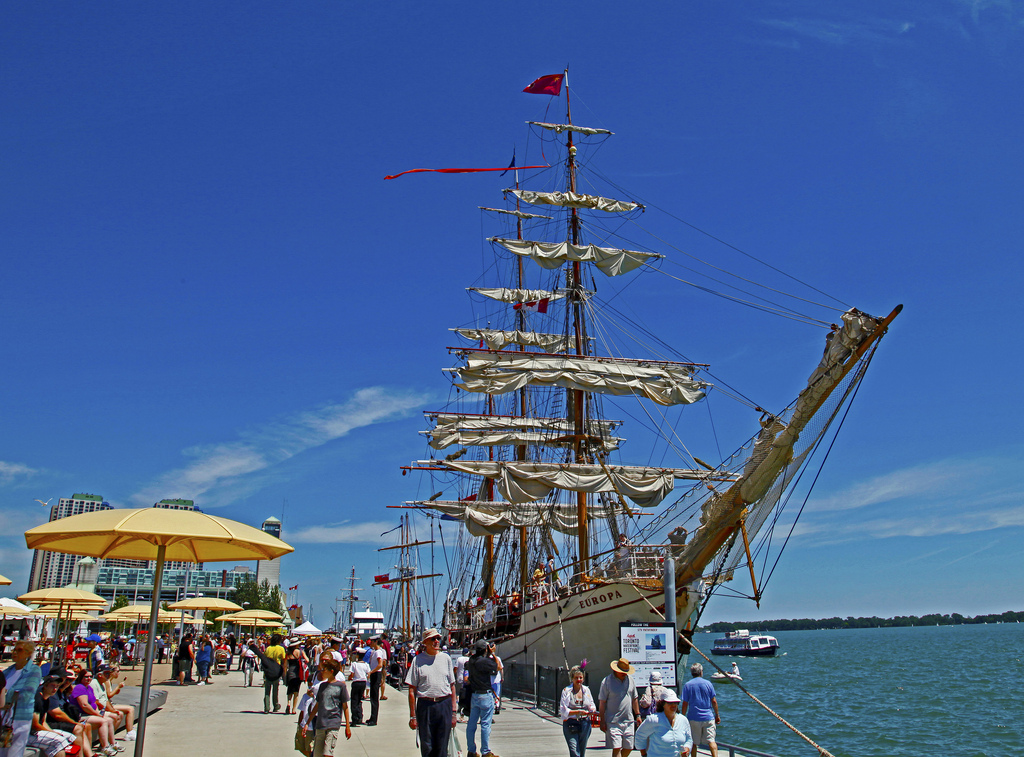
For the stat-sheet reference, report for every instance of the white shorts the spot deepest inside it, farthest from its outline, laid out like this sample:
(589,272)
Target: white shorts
(618,737)
(703,731)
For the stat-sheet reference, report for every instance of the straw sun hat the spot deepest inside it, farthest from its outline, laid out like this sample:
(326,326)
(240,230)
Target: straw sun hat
(622,665)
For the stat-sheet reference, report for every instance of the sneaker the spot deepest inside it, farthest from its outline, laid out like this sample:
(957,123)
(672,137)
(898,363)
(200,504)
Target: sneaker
(201,683)
(130,736)
(110,751)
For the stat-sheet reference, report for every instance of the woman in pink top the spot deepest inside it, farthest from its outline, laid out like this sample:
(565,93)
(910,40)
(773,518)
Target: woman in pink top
(85,698)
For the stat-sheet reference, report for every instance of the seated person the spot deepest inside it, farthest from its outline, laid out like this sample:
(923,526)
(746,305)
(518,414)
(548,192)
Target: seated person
(124,712)
(63,715)
(85,698)
(52,743)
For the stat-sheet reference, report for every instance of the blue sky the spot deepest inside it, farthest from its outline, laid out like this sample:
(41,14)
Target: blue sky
(210,292)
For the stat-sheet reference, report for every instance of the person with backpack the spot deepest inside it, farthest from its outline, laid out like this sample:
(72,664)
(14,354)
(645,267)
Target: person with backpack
(272,660)
(185,656)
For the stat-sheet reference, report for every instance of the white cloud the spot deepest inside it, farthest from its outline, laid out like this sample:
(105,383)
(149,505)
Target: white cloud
(938,478)
(344,532)
(843,32)
(11,471)
(229,467)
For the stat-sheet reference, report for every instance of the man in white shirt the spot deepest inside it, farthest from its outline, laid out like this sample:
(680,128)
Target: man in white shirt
(377,659)
(460,684)
(358,674)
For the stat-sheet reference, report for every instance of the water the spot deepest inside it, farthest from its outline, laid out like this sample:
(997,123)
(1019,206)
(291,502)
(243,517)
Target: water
(926,690)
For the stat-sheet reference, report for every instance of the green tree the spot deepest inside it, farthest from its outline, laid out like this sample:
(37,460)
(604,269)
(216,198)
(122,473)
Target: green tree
(259,596)
(121,600)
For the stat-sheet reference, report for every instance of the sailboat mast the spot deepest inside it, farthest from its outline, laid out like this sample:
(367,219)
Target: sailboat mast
(524,556)
(575,285)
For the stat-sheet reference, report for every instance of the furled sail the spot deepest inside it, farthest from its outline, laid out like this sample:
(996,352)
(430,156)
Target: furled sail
(516,213)
(491,518)
(503,294)
(490,430)
(517,437)
(501,372)
(521,481)
(575,200)
(594,426)
(610,261)
(559,128)
(498,340)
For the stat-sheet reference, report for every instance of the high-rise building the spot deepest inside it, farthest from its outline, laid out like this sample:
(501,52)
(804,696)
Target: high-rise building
(270,570)
(176,504)
(52,569)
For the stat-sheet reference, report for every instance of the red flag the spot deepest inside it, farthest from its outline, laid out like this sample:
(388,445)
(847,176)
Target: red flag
(386,586)
(293,588)
(538,306)
(381,579)
(546,85)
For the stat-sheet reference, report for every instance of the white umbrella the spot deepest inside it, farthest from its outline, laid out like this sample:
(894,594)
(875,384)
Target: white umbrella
(306,629)
(12,607)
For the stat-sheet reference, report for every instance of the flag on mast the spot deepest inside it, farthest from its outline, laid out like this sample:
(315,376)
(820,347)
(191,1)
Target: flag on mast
(537,306)
(546,85)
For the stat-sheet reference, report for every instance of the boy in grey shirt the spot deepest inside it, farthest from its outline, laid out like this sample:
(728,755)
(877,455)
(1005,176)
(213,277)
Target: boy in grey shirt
(330,709)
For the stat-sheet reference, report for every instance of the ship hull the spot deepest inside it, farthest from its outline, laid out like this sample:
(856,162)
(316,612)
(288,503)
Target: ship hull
(587,622)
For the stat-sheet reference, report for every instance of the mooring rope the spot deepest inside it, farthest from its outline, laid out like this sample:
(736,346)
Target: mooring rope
(821,750)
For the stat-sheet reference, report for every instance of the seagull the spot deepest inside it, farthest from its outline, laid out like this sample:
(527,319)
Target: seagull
(46,503)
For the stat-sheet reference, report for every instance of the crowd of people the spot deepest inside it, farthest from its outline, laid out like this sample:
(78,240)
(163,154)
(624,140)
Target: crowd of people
(70,711)
(334,685)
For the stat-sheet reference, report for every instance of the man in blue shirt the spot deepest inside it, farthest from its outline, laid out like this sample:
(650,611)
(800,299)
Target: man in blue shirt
(700,707)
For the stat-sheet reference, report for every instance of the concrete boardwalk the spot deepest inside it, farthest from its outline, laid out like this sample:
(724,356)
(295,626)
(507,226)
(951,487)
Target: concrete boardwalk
(227,719)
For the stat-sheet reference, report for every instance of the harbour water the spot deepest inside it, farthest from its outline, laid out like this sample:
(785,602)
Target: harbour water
(885,691)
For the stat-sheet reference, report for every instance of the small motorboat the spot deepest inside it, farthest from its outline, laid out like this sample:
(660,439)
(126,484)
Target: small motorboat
(732,675)
(726,677)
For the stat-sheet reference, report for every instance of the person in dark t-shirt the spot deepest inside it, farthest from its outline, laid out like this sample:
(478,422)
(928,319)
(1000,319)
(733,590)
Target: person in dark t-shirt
(481,666)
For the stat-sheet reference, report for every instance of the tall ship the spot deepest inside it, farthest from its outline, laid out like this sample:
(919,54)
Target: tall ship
(563,527)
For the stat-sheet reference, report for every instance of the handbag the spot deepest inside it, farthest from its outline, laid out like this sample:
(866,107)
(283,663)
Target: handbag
(7,721)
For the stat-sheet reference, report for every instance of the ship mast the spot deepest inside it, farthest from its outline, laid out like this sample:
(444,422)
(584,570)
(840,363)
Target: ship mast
(576,297)
(524,556)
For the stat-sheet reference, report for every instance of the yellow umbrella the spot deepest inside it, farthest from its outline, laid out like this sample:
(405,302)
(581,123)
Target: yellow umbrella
(155,533)
(64,595)
(257,615)
(119,616)
(64,614)
(5,581)
(204,603)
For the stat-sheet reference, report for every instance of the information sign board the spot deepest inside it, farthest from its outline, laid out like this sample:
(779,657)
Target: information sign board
(649,647)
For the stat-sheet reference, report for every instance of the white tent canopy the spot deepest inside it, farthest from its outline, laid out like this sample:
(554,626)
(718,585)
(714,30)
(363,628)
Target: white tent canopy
(306,629)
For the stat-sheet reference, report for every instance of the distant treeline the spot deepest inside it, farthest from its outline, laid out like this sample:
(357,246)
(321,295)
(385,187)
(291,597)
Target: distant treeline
(811,624)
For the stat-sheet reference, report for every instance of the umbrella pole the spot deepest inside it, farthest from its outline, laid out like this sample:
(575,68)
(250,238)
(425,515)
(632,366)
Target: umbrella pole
(56,634)
(147,675)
